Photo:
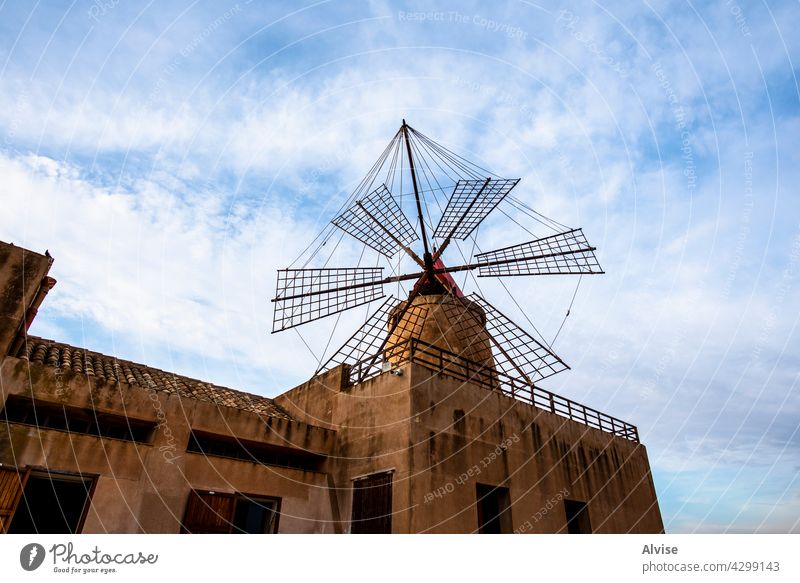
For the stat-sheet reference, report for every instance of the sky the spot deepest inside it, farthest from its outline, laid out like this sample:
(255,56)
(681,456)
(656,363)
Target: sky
(172,156)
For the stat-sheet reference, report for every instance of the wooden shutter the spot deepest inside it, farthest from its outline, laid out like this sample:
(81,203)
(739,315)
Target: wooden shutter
(12,481)
(208,513)
(372,505)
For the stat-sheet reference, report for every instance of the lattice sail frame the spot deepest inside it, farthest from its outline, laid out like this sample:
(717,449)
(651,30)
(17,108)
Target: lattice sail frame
(561,254)
(470,203)
(515,353)
(469,329)
(364,350)
(294,307)
(386,215)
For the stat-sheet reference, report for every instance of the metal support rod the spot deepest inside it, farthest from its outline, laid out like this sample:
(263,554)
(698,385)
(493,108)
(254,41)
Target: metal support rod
(394,326)
(504,353)
(444,245)
(427,255)
(569,232)
(356,333)
(468,267)
(405,248)
(471,266)
(511,360)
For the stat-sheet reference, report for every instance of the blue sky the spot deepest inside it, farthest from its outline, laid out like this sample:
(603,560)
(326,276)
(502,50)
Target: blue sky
(172,156)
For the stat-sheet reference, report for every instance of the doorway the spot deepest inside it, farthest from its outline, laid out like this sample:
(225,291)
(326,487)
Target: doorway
(577,517)
(494,509)
(372,505)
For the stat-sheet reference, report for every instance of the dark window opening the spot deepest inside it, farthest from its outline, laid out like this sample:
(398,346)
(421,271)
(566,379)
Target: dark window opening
(47,415)
(577,517)
(225,513)
(494,509)
(254,515)
(372,505)
(52,504)
(271,455)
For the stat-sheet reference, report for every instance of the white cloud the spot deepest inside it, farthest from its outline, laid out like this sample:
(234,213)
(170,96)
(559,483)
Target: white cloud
(186,185)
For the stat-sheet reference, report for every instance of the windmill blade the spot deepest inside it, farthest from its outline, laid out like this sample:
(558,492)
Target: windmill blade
(565,253)
(470,203)
(362,350)
(304,295)
(378,222)
(518,353)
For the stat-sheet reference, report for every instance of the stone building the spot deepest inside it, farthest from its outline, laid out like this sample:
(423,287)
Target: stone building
(93,443)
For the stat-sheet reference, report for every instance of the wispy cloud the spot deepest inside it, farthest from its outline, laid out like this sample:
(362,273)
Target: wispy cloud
(172,157)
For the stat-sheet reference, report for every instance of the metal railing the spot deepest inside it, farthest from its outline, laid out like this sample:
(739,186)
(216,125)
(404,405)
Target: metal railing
(443,361)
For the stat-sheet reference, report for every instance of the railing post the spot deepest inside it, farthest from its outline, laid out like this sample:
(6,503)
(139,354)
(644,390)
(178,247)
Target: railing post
(484,377)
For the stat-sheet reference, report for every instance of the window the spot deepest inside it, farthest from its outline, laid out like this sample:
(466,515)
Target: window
(271,455)
(48,415)
(577,517)
(52,503)
(494,509)
(372,505)
(254,515)
(223,513)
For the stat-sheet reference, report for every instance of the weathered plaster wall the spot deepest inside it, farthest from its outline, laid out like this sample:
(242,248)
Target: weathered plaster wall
(144,488)
(439,435)
(464,434)
(21,272)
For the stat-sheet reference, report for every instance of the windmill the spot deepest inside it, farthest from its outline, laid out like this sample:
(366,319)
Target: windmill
(464,334)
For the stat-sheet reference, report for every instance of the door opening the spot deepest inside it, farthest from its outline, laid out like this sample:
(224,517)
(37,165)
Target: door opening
(372,505)
(577,517)
(494,509)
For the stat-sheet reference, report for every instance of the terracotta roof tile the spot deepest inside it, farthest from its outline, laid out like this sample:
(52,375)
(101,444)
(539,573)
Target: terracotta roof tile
(110,369)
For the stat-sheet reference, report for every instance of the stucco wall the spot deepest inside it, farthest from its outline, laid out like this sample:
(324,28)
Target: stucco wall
(437,435)
(144,488)
(547,458)
(21,272)
(440,437)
